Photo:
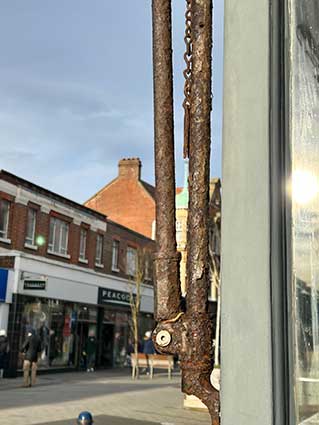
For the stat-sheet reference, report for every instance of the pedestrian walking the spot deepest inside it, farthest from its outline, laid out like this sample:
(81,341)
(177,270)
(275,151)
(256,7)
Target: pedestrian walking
(4,352)
(91,352)
(31,349)
(148,348)
(148,345)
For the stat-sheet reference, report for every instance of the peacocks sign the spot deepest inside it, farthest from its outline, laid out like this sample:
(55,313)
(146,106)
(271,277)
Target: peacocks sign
(110,296)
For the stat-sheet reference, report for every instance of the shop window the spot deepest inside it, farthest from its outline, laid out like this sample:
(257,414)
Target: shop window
(31,224)
(115,255)
(99,251)
(83,239)
(304,144)
(4,218)
(131,261)
(58,239)
(54,322)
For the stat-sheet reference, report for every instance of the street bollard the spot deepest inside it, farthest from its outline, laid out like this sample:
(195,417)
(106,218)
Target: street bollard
(85,418)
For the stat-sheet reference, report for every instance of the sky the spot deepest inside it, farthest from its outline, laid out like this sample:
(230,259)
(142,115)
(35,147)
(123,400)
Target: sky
(76,91)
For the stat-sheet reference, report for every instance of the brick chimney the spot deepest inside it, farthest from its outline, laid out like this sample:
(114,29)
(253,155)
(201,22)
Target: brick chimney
(130,168)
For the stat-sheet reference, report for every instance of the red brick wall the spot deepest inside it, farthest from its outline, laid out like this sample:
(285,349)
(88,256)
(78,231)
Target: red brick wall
(7,262)
(125,201)
(126,238)
(17,232)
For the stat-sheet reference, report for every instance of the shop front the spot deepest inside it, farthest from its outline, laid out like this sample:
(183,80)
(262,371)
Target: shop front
(115,328)
(80,316)
(62,326)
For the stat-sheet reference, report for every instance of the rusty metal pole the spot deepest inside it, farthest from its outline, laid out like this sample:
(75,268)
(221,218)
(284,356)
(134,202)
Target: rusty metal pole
(167,259)
(190,334)
(198,363)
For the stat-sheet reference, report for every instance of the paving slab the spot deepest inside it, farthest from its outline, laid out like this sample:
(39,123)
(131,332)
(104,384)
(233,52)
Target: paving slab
(112,397)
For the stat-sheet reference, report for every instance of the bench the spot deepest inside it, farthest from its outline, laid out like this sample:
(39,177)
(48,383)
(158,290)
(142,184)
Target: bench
(152,361)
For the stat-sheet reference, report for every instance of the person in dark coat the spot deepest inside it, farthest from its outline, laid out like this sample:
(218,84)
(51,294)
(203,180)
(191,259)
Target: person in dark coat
(90,352)
(4,351)
(31,349)
(148,346)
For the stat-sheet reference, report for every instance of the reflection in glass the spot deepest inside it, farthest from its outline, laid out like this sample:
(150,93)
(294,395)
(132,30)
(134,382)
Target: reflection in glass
(304,135)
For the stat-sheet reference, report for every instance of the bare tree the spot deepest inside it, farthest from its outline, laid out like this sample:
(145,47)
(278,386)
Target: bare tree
(135,296)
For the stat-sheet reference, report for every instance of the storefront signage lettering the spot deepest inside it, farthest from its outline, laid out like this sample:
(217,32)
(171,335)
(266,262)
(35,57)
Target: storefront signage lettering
(109,296)
(34,285)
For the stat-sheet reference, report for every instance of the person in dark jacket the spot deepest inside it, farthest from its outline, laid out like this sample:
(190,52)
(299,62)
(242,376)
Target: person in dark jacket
(31,349)
(4,351)
(148,346)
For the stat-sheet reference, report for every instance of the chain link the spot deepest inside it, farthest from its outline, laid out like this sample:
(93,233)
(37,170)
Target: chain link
(188,76)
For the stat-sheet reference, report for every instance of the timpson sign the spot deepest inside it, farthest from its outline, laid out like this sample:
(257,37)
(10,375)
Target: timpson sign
(110,296)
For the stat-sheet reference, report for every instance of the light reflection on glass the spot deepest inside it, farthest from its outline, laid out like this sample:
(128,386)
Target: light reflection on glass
(304,134)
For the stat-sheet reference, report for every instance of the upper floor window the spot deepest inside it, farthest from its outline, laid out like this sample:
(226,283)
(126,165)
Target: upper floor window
(179,231)
(115,255)
(131,261)
(4,218)
(59,235)
(31,223)
(83,239)
(99,250)
(147,273)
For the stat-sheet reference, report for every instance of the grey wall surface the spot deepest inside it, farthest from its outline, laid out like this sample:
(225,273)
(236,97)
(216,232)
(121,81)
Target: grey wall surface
(246,397)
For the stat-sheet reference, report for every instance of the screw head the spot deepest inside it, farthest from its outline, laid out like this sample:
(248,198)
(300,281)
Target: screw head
(163,338)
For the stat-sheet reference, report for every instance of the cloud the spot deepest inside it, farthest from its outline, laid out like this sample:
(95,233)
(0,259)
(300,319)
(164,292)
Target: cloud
(77,97)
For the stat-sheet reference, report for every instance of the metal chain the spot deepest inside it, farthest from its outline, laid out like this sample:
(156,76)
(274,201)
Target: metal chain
(188,76)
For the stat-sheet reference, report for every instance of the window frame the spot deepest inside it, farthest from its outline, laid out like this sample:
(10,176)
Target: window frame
(280,219)
(51,245)
(147,268)
(115,265)
(31,243)
(98,261)
(4,234)
(131,249)
(83,258)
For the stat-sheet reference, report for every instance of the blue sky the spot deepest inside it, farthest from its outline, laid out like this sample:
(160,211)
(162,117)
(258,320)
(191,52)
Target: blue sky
(76,90)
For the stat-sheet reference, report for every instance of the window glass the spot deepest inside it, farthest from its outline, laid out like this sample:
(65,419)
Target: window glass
(115,255)
(31,223)
(4,218)
(83,238)
(304,136)
(58,239)
(54,322)
(99,250)
(131,261)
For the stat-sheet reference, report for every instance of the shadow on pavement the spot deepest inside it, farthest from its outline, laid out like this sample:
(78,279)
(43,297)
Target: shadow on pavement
(104,420)
(49,391)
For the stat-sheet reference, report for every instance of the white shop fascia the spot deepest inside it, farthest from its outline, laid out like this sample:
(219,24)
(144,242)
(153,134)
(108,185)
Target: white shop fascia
(67,282)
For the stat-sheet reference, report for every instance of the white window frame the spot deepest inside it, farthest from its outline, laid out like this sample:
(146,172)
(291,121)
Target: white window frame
(62,250)
(99,255)
(131,258)
(115,255)
(4,232)
(30,240)
(83,245)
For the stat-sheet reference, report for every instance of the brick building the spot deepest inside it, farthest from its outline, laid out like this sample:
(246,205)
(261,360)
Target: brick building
(128,199)
(66,271)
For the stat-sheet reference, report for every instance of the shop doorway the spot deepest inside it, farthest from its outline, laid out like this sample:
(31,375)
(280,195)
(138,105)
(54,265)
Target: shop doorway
(107,345)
